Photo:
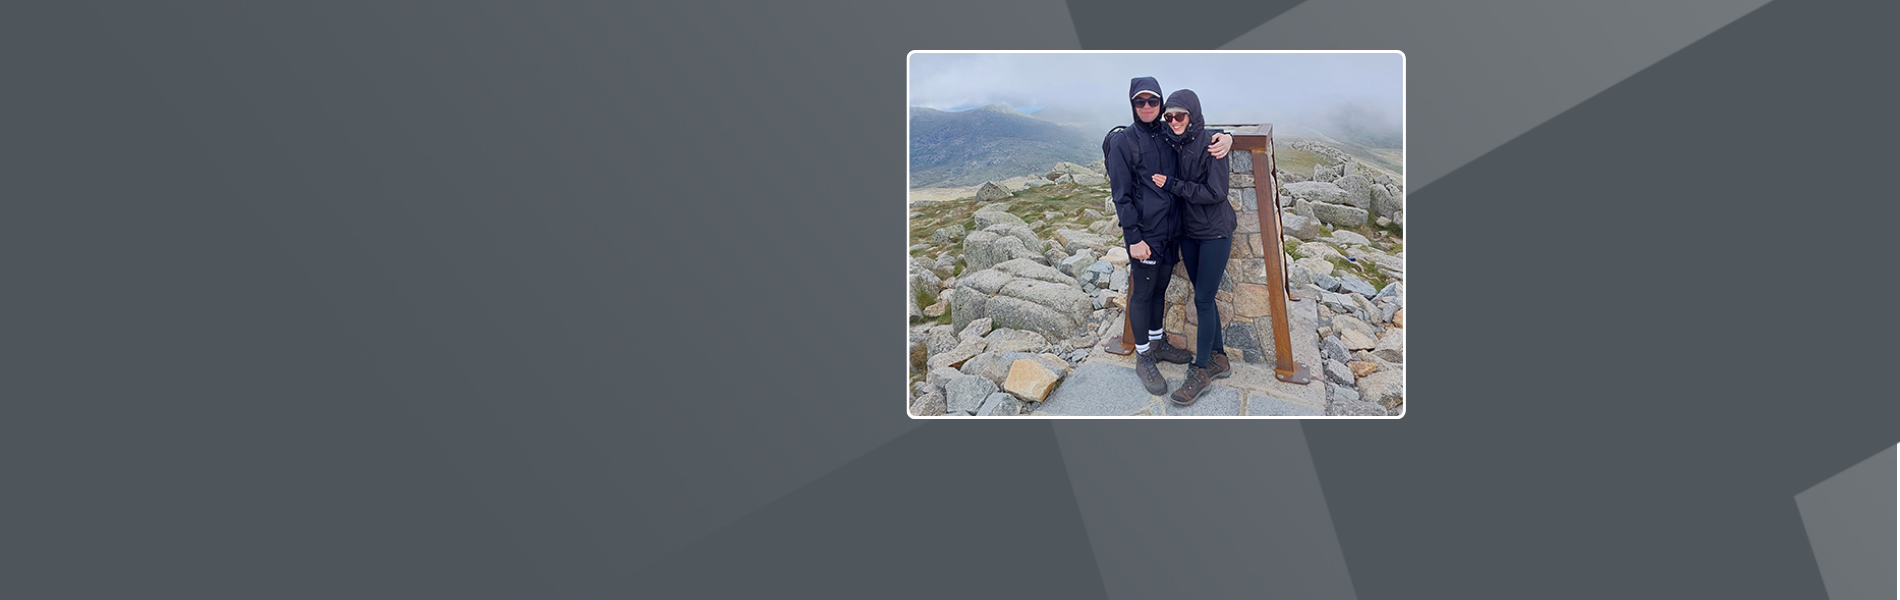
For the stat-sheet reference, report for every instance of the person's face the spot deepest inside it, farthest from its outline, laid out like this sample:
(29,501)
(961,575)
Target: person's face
(1178,121)
(1147,106)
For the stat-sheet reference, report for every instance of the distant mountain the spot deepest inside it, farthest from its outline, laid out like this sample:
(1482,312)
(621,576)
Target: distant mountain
(990,143)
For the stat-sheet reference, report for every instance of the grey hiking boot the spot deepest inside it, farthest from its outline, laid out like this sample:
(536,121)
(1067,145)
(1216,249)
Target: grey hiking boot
(1168,353)
(1150,376)
(1198,380)
(1218,365)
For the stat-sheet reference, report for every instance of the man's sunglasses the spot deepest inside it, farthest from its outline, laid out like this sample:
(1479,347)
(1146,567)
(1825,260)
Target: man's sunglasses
(1175,116)
(1147,102)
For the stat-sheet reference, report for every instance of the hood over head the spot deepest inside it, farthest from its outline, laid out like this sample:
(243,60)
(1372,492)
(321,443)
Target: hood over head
(1137,86)
(1196,121)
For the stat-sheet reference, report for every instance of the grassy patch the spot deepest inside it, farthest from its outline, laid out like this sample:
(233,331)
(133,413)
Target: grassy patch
(1046,230)
(1365,271)
(1377,278)
(1068,200)
(1289,160)
(1293,249)
(925,298)
(936,215)
(1395,229)
(1345,266)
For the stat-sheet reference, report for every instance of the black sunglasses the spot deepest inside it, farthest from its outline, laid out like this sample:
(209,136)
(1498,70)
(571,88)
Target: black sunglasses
(1147,102)
(1175,116)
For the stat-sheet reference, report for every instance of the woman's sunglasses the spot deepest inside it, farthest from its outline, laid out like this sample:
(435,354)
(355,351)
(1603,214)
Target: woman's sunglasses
(1147,102)
(1175,116)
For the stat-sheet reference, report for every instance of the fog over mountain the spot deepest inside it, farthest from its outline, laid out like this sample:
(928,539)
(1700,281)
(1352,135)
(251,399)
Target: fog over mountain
(1355,95)
(990,143)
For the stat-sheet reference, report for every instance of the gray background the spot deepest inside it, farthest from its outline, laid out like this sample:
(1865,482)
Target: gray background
(582,300)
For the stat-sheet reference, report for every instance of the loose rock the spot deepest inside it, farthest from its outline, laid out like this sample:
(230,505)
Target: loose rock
(956,356)
(991,192)
(967,392)
(976,329)
(1030,380)
(1387,388)
(1017,340)
(1338,372)
(1355,340)
(1362,368)
(1000,405)
(930,404)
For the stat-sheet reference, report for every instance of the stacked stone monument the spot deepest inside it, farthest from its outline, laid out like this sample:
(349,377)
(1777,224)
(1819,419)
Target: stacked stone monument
(1245,310)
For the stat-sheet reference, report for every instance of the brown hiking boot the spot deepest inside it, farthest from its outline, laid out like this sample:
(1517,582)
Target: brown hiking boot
(1218,365)
(1168,353)
(1198,381)
(1150,376)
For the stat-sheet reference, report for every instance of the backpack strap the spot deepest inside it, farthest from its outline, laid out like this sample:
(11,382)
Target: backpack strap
(1120,132)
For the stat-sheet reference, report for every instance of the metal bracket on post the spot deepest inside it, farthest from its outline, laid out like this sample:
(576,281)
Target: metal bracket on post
(1125,345)
(1273,191)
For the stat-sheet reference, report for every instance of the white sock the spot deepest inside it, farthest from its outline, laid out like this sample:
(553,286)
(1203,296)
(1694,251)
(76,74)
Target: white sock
(1154,334)
(1142,348)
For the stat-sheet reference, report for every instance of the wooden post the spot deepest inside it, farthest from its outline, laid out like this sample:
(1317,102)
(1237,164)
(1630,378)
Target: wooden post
(1259,140)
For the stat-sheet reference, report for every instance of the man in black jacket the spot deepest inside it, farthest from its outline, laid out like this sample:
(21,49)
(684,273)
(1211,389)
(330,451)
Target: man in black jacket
(1149,224)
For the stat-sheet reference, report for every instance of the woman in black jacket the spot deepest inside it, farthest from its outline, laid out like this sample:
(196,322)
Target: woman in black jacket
(1207,233)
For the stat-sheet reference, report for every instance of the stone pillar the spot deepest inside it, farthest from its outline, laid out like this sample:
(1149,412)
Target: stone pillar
(1246,326)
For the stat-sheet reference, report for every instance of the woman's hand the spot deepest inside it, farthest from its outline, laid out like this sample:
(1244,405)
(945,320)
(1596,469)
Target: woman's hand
(1222,143)
(1139,251)
(1160,180)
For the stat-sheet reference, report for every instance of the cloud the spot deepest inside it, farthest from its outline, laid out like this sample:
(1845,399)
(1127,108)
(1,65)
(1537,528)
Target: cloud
(1234,87)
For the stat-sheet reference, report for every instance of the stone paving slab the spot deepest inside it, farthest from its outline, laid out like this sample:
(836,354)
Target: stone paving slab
(1106,389)
(1270,406)
(1272,396)
(1218,401)
(1099,389)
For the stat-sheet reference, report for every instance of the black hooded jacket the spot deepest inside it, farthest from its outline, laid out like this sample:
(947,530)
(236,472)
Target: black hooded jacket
(1145,211)
(1201,182)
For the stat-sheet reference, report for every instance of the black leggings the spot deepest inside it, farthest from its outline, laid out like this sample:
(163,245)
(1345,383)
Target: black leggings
(1206,262)
(1148,290)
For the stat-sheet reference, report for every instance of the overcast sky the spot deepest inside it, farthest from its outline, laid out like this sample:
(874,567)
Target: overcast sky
(1233,87)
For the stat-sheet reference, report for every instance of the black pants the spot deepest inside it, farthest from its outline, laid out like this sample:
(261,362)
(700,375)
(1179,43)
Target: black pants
(1148,289)
(1206,262)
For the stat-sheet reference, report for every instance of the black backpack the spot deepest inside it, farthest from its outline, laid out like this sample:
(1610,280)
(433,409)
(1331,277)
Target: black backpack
(1115,136)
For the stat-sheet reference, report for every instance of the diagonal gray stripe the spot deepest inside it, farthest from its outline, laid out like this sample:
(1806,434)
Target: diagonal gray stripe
(932,514)
(1599,424)
(1203,509)
(1116,24)
(1850,523)
(725,461)
(1479,73)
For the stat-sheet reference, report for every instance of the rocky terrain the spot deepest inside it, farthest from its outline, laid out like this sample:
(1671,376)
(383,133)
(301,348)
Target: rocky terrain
(1015,292)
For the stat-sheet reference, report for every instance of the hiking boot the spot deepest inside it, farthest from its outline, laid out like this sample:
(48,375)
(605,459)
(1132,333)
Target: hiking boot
(1198,380)
(1150,376)
(1166,352)
(1218,365)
